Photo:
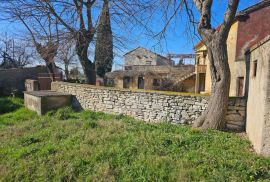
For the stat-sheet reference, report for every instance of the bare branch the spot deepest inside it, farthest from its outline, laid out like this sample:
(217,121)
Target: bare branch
(229,17)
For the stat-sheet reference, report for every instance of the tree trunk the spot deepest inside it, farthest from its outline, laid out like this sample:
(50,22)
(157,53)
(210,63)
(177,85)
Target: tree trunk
(214,116)
(82,44)
(51,69)
(66,71)
(89,70)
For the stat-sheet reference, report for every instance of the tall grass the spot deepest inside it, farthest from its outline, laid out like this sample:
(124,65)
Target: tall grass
(92,146)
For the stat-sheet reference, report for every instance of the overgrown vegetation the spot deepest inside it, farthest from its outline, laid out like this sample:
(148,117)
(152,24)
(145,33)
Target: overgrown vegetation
(93,146)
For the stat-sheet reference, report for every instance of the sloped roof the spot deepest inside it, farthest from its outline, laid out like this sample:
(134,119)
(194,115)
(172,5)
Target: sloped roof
(264,40)
(146,50)
(253,8)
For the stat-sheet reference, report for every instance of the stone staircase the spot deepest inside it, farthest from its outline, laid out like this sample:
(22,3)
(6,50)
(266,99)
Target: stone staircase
(184,77)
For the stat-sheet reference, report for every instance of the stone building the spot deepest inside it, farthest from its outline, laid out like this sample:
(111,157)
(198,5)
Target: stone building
(144,69)
(142,56)
(258,105)
(242,37)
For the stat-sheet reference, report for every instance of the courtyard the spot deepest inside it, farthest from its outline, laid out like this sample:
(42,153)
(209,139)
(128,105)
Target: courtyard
(64,145)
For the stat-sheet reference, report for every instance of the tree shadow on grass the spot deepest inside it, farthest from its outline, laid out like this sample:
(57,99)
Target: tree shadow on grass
(7,105)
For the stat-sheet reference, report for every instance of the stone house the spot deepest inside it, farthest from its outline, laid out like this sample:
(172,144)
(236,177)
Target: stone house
(144,69)
(242,37)
(141,56)
(258,105)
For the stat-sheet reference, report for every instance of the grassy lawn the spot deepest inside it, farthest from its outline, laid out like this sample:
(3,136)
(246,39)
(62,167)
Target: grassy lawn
(89,146)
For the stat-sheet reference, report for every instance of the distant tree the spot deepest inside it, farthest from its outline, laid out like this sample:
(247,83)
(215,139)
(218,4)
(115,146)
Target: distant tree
(75,73)
(180,63)
(104,42)
(14,54)
(67,56)
(41,25)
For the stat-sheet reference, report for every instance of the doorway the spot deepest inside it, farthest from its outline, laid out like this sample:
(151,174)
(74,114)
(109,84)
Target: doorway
(126,82)
(140,82)
(201,82)
(240,85)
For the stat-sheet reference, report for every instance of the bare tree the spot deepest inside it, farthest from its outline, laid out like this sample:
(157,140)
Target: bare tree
(215,41)
(14,53)
(83,34)
(67,56)
(41,25)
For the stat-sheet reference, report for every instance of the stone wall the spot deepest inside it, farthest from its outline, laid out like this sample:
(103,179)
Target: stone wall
(13,80)
(149,106)
(258,105)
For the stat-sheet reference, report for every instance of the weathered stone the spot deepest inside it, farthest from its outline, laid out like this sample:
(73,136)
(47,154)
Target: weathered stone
(151,107)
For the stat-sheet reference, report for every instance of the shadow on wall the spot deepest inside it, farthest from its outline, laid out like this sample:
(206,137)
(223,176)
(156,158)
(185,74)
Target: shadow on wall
(76,105)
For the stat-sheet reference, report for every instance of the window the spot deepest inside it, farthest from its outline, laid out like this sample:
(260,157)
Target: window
(255,68)
(148,62)
(156,82)
(128,67)
(240,86)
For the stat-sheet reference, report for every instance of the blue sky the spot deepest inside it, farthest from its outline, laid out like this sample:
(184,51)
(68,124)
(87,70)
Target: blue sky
(175,41)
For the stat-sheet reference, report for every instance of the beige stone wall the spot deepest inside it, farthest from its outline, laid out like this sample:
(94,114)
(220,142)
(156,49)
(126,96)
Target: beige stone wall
(149,106)
(142,56)
(237,67)
(204,61)
(258,106)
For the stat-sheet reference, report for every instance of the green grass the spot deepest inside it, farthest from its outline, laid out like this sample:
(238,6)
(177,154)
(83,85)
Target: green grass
(89,146)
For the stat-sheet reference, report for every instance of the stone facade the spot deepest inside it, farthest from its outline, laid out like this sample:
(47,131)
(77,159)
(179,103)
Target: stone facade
(180,78)
(142,56)
(149,106)
(258,106)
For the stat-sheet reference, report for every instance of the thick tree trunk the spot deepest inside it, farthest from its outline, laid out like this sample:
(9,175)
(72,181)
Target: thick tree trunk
(89,70)
(82,44)
(51,69)
(214,116)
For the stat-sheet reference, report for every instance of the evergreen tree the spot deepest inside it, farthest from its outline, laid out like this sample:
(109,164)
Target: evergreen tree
(104,43)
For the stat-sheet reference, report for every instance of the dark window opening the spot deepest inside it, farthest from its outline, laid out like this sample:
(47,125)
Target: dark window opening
(255,68)
(156,82)
(240,92)
(148,62)
(128,67)
(126,82)
(140,82)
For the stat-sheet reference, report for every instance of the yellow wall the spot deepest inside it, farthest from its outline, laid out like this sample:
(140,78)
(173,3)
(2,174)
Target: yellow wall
(199,52)
(238,68)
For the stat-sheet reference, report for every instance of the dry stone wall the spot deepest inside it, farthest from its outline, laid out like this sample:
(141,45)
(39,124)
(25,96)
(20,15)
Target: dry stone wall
(149,106)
